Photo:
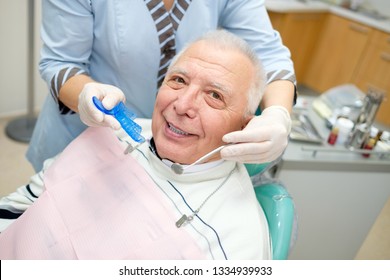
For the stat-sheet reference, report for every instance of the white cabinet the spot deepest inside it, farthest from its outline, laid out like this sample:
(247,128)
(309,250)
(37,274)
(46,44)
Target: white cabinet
(335,210)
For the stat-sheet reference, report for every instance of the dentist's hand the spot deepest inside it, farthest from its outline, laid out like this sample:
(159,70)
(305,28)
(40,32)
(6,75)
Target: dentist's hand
(263,139)
(109,95)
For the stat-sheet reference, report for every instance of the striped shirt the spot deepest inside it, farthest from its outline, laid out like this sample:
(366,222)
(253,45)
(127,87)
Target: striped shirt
(166,23)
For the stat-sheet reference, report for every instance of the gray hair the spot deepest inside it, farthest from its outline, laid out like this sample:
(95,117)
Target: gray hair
(225,40)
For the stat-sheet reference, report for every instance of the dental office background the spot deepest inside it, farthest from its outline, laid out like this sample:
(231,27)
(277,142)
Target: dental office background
(14,54)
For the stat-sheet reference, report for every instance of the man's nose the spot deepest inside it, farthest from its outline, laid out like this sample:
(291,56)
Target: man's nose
(188,102)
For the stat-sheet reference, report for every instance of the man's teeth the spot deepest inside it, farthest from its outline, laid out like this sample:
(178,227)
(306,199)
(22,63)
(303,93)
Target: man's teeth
(177,131)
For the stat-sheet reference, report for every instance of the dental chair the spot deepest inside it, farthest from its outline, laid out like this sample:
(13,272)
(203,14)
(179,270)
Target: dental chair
(279,210)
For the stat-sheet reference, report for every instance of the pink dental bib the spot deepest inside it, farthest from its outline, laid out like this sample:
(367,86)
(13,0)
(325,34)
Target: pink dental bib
(98,204)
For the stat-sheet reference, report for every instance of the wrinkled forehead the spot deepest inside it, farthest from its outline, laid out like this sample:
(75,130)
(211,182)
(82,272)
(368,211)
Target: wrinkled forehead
(212,53)
(217,58)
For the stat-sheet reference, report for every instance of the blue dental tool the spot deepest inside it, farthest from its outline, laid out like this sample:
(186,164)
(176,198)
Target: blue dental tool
(125,117)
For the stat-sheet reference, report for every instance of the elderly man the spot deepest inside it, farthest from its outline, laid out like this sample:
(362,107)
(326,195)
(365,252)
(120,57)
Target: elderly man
(99,203)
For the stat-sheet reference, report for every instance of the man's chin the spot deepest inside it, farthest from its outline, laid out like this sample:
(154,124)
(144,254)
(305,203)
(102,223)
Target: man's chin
(175,155)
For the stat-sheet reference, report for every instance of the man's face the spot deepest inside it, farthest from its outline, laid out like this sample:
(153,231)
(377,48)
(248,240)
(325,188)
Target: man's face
(203,97)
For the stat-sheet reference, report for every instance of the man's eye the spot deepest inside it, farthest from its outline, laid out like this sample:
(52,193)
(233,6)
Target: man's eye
(175,82)
(179,80)
(215,95)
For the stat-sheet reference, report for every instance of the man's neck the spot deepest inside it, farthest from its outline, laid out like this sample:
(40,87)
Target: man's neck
(195,168)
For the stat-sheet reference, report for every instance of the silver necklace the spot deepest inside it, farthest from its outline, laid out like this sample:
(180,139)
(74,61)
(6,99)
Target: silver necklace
(188,218)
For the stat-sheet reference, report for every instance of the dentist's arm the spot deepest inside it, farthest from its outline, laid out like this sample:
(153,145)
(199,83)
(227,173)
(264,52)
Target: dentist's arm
(280,93)
(77,94)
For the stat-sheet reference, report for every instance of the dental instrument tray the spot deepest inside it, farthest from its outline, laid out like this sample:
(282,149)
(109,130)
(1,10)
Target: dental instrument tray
(125,117)
(303,130)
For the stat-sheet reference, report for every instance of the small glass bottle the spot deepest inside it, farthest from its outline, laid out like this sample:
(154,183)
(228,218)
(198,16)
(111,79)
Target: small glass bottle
(374,133)
(333,135)
(385,137)
(345,127)
(345,112)
(369,146)
(378,136)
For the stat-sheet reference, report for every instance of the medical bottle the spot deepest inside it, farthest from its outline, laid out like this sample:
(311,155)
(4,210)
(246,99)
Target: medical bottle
(369,146)
(373,135)
(378,136)
(345,127)
(344,113)
(383,144)
(333,135)
(385,137)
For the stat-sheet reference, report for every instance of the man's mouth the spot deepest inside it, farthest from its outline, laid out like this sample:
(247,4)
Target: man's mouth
(176,130)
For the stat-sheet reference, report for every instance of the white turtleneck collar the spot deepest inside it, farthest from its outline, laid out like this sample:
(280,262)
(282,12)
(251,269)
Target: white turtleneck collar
(199,172)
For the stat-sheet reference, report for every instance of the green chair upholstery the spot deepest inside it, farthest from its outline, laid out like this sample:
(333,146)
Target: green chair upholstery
(279,210)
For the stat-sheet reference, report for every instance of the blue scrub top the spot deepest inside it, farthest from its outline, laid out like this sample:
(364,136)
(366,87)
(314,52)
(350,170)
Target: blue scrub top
(116,42)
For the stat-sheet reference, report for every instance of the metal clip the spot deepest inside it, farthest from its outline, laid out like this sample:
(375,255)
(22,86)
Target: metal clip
(181,221)
(130,148)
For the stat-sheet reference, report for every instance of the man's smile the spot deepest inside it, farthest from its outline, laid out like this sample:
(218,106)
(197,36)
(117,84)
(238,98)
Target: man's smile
(176,130)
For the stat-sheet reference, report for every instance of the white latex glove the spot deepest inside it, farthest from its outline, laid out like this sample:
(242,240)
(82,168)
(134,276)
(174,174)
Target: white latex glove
(263,139)
(109,95)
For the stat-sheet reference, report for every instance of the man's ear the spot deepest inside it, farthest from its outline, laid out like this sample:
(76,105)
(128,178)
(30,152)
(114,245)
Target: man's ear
(246,120)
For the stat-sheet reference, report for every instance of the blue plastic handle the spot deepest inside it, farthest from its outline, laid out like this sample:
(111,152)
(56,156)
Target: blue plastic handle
(125,117)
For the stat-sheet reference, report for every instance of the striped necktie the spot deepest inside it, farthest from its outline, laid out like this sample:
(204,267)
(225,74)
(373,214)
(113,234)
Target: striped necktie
(166,25)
